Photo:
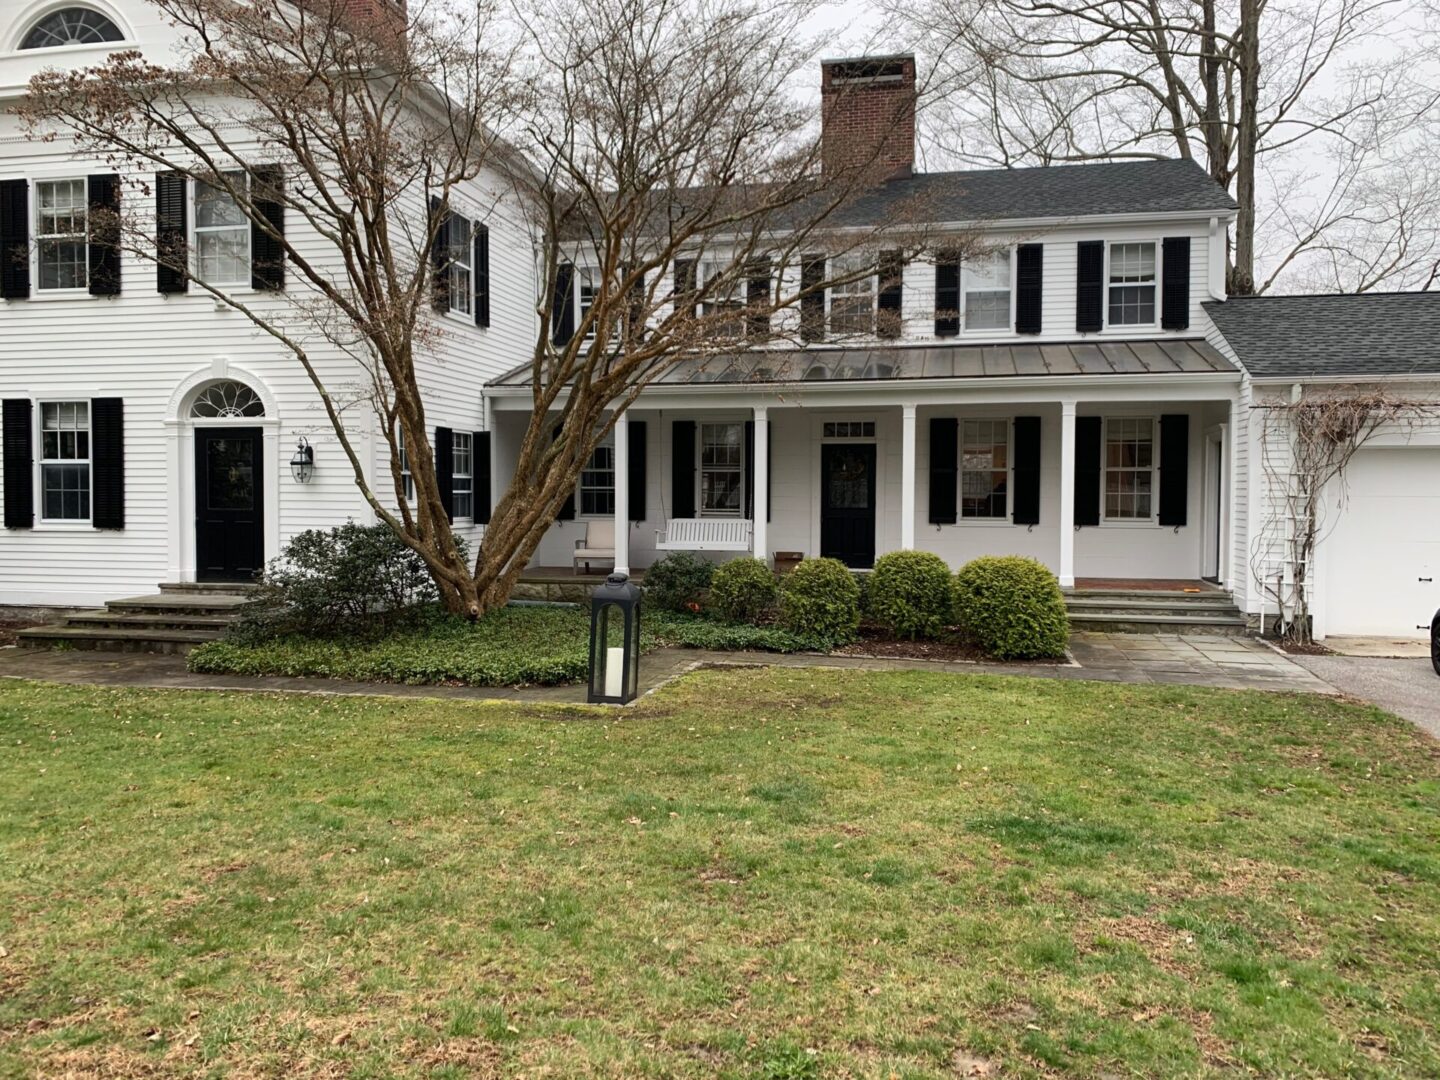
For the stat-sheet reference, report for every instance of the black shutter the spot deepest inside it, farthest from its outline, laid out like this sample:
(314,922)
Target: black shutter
(749,469)
(107,463)
(1089,286)
(684,282)
(1029,287)
(481,271)
(562,305)
(682,468)
(757,299)
(812,298)
(267,254)
(445,469)
(172,214)
(1175,283)
(636,475)
(944,469)
(947,296)
(440,257)
(1174,467)
(567,508)
(891,298)
(480,475)
(1026,504)
(14,239)
(19,447)
(104,199)
(1087,470)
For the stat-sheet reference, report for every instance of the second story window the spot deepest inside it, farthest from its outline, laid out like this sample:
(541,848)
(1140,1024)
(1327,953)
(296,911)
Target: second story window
(723,303)
(460,271)
(586,292)
(987,291)
(1132,284)
(222,235)
(61,233)
(852,302)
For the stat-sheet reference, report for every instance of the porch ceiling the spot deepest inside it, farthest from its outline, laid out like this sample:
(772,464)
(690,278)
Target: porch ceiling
(1189,356)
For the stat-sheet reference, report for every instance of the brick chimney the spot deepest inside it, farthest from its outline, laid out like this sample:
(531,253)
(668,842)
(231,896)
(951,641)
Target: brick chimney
(867,113)
(388,14)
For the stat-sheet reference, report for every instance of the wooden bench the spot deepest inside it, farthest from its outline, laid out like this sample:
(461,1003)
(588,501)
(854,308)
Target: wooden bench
(598,544)
(704,534)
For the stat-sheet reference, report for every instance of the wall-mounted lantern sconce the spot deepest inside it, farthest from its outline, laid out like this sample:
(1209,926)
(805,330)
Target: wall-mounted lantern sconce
(302,462)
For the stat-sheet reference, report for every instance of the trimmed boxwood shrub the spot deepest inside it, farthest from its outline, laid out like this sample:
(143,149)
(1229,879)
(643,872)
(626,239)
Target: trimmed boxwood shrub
(742,590)
(910,594)
(677,581)
(1012,607)
(820,600)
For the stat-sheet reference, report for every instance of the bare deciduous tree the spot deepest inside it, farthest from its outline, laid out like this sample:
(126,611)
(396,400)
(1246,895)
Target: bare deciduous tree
(1312,113)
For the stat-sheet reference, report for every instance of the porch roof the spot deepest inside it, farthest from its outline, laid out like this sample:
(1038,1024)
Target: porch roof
(1181,356)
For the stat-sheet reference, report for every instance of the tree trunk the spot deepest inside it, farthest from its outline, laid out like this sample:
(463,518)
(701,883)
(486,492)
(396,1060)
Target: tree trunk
(1242,273)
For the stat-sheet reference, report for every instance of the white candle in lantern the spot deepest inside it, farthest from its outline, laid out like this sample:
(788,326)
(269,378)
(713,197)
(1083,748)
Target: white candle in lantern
(614,671)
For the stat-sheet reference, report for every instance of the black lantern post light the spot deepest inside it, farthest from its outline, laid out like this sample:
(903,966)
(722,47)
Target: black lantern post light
(614,617)
(302,462)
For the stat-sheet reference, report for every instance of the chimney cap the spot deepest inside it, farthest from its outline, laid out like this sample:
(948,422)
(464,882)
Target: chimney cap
(881,67)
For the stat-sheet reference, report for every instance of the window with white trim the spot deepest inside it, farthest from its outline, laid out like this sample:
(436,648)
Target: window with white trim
(222,235)
(61,234)
(984,469)
(71,26)
(1129,468)
(1132,284)
(597,481)
(986,286)
(725,302)
(463,476)
(65,461)
(852,303)
(585,291)
(459,270)
(407,481)
(722,469)
(849,429)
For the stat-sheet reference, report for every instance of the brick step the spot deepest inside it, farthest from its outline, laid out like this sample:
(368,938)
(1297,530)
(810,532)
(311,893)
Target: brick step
(109,640)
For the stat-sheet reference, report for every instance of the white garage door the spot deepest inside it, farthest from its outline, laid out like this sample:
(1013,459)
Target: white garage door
(1385,545)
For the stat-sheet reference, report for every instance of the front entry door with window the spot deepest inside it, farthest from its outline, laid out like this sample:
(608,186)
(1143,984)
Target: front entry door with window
(229,504)
(847,503)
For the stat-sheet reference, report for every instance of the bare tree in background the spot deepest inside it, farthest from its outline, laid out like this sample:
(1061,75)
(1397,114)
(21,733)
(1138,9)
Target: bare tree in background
(645,137)
(1317,115)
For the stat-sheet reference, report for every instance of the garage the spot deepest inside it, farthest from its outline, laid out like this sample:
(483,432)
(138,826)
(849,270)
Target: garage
(1380,561)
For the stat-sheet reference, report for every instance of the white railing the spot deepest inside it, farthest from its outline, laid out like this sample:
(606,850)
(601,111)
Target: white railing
(704,534)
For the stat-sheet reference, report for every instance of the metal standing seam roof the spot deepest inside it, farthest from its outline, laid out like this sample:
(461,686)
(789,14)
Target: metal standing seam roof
(1358,334)
(1153,357)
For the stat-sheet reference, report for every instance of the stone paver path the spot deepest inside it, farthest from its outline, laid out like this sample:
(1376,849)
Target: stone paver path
(1188,660)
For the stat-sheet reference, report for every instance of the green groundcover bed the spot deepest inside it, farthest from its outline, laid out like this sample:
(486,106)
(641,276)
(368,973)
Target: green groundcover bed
(511,646)
(777,874)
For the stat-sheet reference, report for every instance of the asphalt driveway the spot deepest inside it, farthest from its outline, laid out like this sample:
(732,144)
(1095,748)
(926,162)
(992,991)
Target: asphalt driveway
(1408,688)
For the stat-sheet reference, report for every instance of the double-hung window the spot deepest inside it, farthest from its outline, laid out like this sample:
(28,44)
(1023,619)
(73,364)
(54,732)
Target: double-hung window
(852,298)
(463,489)
(222,235)
(597,481)
(586,290)
(987,291)
(1129,468)
(723,305)
(407,481)
(984,469)
(61,228)
(460,271)
(722,469)
(1132,284)
(65,460)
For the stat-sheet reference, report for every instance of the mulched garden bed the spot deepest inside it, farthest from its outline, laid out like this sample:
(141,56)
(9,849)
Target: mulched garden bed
(874,641)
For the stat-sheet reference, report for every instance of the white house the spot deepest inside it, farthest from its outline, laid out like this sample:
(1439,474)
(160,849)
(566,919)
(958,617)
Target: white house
(148,429)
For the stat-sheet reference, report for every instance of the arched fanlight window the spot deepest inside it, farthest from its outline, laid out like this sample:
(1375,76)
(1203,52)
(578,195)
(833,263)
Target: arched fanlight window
(71,26)
(226,401)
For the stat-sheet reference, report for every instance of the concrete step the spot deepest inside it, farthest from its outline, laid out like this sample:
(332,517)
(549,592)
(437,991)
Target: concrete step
(1147,595)
(1150,607)
(181,604)
(112,620)
(131,640)
(209,588)
(1233,625)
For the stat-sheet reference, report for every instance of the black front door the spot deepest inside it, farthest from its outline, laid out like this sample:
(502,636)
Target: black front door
(847,503)
(229,504)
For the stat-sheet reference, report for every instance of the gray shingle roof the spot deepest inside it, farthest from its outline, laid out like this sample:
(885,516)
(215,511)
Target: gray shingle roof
(1055,191)
(1167,357)
(1314,336)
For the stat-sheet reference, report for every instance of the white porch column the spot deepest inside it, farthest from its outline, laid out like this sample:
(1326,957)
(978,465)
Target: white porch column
(1067,494)
(907,477)
(759,527)
(622,494)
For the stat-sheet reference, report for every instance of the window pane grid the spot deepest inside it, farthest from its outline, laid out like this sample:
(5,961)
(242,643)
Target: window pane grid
(722,477)
(463,488)
(987,292)
(984,468)
(849,429)
(1132,284)
(1129,468)
(60,230)
(852,303)
(597,482)
(461,292)
(222,235)
(65,460)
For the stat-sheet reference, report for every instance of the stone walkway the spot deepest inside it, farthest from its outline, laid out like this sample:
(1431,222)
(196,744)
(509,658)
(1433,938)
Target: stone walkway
(1191,660)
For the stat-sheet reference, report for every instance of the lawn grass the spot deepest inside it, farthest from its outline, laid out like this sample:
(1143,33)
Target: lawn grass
(779,874)
(512,646)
